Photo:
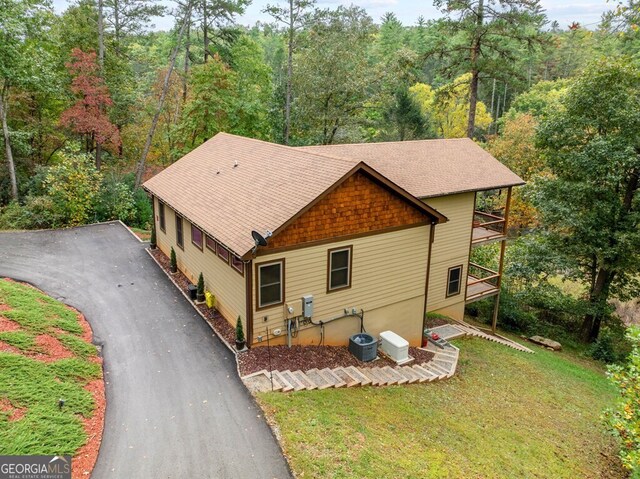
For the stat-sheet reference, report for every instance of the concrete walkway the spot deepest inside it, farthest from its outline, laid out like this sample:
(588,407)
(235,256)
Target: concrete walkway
(175,406)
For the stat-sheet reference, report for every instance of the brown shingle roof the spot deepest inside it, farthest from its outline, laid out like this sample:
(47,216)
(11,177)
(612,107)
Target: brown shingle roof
(270,185)
(428,168)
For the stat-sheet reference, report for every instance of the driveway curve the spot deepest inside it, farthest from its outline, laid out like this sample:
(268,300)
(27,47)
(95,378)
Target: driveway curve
(175,406)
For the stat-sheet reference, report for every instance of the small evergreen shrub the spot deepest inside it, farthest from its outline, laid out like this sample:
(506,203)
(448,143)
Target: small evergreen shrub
(239,331)
(200,291)
(152,240)
(174,261)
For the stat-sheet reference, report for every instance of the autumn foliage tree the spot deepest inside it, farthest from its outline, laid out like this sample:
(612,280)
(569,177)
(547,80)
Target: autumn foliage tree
(87,116)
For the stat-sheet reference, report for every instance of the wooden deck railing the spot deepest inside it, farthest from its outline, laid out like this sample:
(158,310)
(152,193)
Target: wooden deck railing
(489,221)
(482,275)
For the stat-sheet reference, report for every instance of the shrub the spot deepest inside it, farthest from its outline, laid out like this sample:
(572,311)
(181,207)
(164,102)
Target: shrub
(239,330)
(37,213)
(116,202)
(200,291)
(624,420)
(174,261)
(73,186)
(152,240)
(143,216)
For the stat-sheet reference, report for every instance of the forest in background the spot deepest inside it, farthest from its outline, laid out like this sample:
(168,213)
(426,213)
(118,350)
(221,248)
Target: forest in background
(93,101)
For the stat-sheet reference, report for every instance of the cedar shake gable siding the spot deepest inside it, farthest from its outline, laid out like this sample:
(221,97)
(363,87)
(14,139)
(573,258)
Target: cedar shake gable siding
(359,205)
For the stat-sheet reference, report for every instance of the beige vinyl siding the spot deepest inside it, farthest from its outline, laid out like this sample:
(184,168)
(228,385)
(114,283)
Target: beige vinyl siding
(388,281)
(220,278)
(450,248)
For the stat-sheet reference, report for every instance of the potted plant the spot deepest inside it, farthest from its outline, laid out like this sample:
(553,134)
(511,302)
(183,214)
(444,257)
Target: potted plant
(200,288)
(152,240)
(240,342)
(174,262)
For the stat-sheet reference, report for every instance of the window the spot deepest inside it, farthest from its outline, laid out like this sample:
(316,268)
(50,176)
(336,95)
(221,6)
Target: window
(179,235)
(211,243)
(270,283)
(339,268)
(196,236)
(237,264)
(223,253)
(454,281)
(161,215)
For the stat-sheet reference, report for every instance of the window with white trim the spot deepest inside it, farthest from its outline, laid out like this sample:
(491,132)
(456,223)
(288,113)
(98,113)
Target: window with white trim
(270,284)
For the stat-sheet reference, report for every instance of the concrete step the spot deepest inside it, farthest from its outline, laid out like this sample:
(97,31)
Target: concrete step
(286,385)
(304,379)
(291,379)
(358,374)
(334,380)
(349,380)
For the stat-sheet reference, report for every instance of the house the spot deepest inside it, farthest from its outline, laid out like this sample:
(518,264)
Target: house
(367,236)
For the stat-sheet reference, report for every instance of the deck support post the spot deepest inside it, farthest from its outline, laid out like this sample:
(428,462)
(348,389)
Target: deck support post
(503,247)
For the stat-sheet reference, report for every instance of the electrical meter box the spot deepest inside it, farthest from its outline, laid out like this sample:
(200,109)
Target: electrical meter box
(307,305)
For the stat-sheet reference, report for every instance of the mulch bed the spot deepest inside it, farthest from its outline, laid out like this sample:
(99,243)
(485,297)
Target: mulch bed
(213,317)
(51,349)
(304,358)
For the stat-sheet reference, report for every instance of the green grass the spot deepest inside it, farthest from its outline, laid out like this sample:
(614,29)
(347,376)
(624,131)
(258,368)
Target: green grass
(36,386)
(506,414)
(144,235)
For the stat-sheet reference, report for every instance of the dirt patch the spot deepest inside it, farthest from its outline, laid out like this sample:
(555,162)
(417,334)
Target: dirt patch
(85,459)
(4,307)
(15,413)
(304,358)
(435,322)
(213,317)
(8,325)
(50,349)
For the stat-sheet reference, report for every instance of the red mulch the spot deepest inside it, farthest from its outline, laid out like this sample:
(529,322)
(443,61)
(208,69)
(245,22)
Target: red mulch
(4,307)
(7,348)
(8,325)
(50,349)
(214,318)
(305,358)
(85,458)
(15,413)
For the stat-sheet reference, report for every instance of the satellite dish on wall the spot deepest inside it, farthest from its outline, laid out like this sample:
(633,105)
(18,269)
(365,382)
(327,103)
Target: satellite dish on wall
(259,239)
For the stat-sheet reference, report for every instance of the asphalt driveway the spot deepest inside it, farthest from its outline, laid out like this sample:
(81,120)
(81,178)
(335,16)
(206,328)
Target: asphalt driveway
(175,406)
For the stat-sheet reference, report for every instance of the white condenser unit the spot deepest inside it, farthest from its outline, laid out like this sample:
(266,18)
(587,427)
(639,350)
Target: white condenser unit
(395,346)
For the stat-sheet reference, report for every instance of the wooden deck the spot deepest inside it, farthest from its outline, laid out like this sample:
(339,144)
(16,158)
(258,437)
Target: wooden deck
(481,234)
(479,290)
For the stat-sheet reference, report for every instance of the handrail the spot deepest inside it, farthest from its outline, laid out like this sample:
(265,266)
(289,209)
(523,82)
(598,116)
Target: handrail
(483,280)
(482,213)
(474,265)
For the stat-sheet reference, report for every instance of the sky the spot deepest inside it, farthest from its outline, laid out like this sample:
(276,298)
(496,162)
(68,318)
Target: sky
(586,12)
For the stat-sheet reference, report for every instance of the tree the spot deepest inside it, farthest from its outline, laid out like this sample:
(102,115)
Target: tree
(590,205)
(217,13)
(448,108)
(87,116)
(405,118)
(73,185)
(126,18)
(334,76)
(623,420)
(294,16)
(484,38)
(22,23)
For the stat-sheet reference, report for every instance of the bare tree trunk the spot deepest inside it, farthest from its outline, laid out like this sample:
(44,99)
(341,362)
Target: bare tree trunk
(101,64)
(598,296)
(475,74)
(287,104)
(7,142)
(163,95)
(205,30)
(187,51)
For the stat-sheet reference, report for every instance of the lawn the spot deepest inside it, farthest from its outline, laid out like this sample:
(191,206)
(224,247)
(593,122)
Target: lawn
(505,414)
(144,235)
(45,355)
